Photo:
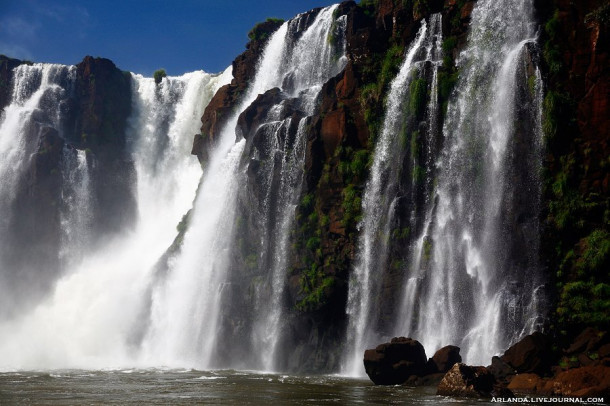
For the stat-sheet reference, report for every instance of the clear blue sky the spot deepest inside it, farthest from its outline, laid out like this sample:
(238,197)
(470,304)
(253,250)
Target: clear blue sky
(138,35)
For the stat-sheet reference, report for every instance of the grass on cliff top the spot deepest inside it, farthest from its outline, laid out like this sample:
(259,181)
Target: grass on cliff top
(256,34)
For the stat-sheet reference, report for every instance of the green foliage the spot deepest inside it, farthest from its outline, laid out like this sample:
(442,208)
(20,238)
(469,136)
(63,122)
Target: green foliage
(446,83)
(420,7)
(391,64)
(585,303)
(183,224)
(324,220)
(251,262)
(359,163)
(351,205)
(181,229)
(313,243)
(258,34)
(415,144)
(447,75)
(418,91)
(369,6)
(307,202)
(159,75)
(419,174)
(551,52)
(427,249)
(317,288)
(595,259)
(556,108)
(401,233)
(449,44)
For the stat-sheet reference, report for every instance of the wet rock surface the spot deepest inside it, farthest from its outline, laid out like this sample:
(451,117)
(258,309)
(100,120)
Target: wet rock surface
(394,362)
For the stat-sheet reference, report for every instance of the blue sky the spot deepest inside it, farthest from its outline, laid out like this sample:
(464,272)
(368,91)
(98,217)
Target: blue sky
(138,35)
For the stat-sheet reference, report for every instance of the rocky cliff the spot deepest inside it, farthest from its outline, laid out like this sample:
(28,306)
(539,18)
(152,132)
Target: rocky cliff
(94,114)
(340,140)
(576,210)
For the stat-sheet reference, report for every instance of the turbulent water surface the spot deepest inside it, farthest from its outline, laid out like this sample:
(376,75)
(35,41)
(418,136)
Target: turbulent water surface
(155,386)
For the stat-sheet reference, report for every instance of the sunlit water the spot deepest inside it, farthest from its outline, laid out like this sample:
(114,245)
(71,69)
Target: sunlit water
(155,386)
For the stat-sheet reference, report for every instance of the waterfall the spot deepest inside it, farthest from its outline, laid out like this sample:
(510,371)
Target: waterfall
(382,187)
(311,62)
(474,279)
(187,305)
(75,223)
(475,276)
(30,127)
(93,316)
(201,277)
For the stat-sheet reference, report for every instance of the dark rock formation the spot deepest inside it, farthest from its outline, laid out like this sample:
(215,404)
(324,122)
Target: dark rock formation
(575,55)
(100,109)
(93,112)
(444,359)
(502,371)
(468,381)
(531,354)
(581,382)
(6,67)
(590,340)
(394,362)
(339,136)
(228,97)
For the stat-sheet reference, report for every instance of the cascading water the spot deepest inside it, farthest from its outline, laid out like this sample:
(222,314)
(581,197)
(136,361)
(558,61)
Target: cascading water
(310,63)
(197,279)
(93,316)
(382,190)
(474,279)
(76,224)
(32,118)
(452,215)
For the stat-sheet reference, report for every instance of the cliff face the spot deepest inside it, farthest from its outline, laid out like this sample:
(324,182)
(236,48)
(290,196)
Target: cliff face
(576,210)
(91,116)
(101,107)
(341,137)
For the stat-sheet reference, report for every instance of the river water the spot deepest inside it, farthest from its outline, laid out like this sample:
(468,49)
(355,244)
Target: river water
(172,386)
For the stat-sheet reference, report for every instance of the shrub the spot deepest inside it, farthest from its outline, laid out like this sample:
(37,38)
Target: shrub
(159,75)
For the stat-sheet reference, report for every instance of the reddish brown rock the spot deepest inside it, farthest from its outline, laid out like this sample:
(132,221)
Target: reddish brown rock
(394,362)
(526,383)
(333,130)
(500,369)
(531,354)
(468,381)
(583,381)
(589,340)
(444,359)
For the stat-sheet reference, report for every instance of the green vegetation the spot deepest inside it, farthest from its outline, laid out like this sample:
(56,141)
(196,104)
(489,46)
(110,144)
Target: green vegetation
(448,74)
(181,228)
(159,75)
(352,204)
(551,52)
(418,91)
(317,287)
(577,223)
(258,33)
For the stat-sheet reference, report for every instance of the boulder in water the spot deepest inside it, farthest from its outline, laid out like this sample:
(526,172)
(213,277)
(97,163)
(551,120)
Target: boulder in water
(444,359)
(394,362)
(465,380)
